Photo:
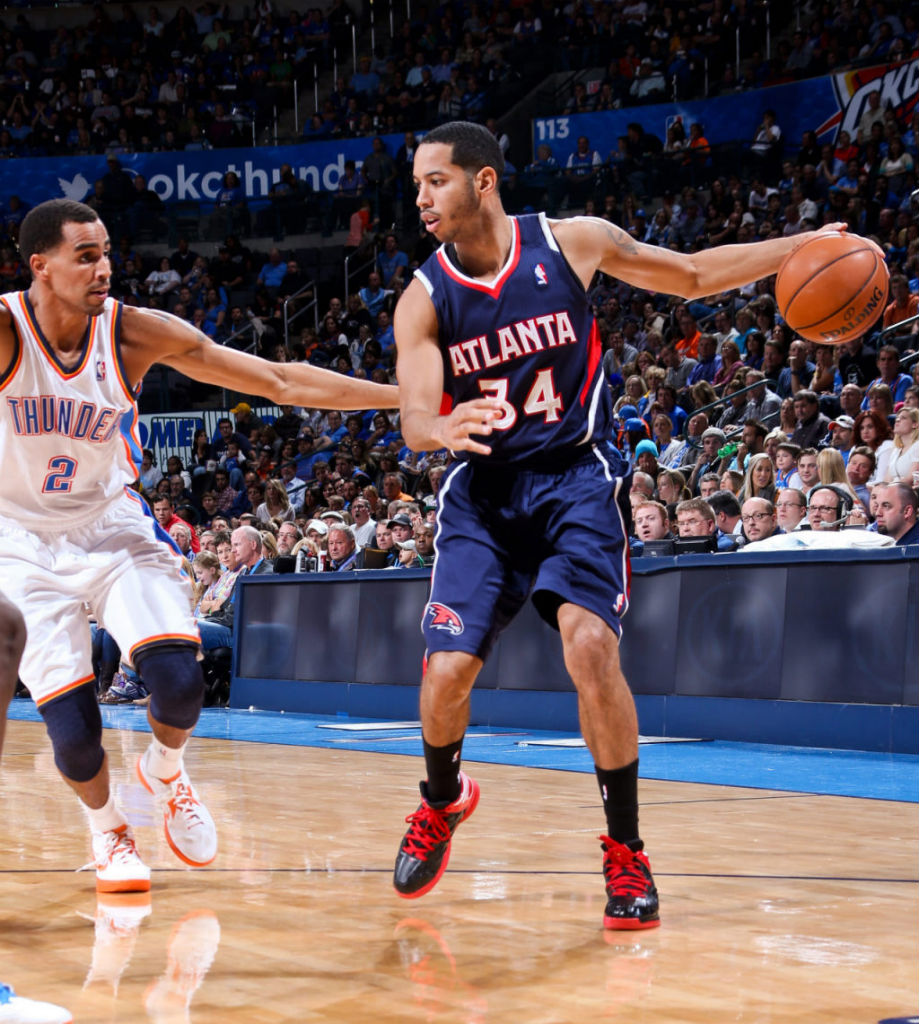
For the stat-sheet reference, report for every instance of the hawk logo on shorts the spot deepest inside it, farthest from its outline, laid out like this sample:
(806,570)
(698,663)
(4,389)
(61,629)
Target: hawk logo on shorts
(445,618)
(619,604)
(542,278)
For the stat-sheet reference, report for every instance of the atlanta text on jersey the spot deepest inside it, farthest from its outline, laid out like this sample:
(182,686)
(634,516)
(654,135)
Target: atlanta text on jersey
(513,342)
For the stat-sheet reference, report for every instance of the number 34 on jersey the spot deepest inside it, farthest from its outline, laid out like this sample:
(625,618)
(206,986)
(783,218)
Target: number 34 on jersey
(517,340)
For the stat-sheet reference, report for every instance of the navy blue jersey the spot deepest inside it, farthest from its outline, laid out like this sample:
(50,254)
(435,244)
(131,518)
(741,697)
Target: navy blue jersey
(529,340)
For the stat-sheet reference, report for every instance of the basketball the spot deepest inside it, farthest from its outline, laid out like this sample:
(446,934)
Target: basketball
(832,288)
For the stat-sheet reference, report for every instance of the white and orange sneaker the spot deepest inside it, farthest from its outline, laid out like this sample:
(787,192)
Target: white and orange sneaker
(189,827)
(19,1010)
(191,951)
(117,862)
(116,925)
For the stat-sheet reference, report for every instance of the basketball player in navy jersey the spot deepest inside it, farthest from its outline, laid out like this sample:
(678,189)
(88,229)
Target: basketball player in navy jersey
(499,361)
(73,534)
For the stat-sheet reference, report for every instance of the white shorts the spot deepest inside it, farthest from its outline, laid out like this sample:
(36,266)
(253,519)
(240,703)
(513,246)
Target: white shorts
(121,566)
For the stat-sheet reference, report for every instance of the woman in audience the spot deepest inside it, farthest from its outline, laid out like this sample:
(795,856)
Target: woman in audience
(822,381)
(880,400)
(756,343)
(759,479)
(202,453)
(220,591)
(644,362)
(634,389)
(903,461)
(872,429)
(788,421)
(730,364)
(269,545)
(668,449)
(164,280)
(702,394)
(671,487)
(150,474)
(731,480)
(774,438)
(832,470)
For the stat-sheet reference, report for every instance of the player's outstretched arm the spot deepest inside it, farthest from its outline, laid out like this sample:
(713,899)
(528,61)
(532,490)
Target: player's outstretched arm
(151,336)
(592,244)
(421,384)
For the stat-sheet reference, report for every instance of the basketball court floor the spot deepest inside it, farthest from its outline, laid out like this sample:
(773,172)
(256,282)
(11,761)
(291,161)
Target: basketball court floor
(788,882)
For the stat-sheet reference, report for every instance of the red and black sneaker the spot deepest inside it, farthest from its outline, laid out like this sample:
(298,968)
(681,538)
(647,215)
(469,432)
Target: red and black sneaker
(425,849)
(630,887)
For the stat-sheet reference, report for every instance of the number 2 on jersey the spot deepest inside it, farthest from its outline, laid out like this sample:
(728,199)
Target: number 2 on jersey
(542,398)
(61,471)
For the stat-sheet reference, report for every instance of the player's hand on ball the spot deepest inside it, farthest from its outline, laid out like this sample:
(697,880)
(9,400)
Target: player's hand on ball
(468,418)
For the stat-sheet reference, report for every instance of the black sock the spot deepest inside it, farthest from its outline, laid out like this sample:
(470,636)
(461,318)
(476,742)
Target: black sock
(619,789)
(443,764)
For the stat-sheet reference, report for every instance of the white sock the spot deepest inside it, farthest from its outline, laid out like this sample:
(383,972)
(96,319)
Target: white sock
(164,763)
(106,818)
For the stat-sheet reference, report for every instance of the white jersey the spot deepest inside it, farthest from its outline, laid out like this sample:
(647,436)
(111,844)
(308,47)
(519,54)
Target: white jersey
(68,436)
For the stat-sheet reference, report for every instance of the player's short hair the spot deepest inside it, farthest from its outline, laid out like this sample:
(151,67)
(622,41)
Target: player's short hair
(42,228)
(474,147)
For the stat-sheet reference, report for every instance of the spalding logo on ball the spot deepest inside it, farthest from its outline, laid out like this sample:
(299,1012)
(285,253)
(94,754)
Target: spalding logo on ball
(832,287)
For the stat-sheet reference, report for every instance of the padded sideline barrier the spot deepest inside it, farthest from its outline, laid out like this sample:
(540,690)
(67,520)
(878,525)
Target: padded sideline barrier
(814,648)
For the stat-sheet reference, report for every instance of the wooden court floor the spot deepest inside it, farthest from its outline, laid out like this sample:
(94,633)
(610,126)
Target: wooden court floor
(776,907)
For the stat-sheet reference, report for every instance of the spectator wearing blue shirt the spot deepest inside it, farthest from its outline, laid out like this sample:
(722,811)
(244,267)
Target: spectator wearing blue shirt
(392,264)
(798,373)
(666,397)
(374,295)
(232,212)
(272,273)
(365,81)
(708,363)
(384,334)
(888,360)
(307,454)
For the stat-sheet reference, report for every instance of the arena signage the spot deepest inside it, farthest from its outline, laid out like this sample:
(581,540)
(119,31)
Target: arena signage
(825,105)
(898,86)
(188,176)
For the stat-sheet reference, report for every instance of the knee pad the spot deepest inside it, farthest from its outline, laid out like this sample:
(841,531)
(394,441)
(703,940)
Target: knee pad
(176,684)
(75,729)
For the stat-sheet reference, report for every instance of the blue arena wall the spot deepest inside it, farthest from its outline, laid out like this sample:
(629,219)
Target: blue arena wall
(811,649)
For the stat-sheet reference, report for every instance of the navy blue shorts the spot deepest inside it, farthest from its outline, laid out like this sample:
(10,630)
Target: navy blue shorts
(505,532)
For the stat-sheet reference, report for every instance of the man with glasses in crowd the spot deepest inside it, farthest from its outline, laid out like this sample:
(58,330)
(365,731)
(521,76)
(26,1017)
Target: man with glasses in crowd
(790,510)
(759,519)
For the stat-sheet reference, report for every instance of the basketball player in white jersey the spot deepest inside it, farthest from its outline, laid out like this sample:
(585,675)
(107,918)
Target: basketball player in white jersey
(71,533)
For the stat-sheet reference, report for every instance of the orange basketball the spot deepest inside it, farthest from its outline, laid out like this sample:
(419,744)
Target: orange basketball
(832,288)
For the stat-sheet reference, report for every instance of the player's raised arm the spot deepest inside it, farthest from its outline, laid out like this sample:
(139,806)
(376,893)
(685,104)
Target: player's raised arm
(592,244)
(421,384)
(151,336)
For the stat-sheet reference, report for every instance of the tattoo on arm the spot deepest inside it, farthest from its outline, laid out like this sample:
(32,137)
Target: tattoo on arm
(621,239)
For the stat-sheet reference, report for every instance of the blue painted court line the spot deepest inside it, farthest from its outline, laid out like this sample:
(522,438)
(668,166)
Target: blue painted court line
(759,766)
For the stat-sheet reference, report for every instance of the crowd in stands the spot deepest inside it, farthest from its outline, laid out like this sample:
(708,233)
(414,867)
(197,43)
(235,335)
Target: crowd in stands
(134,81)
